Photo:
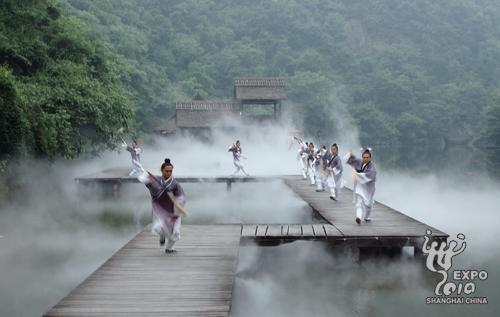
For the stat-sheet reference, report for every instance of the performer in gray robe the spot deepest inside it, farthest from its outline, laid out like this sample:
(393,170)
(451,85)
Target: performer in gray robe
(364,184)
(302,157)
(335,180)
(321,169)
(135,153)
(166,218)
(236,149)
(311,163)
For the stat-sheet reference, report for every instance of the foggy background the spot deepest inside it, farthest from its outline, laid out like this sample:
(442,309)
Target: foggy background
(54,237)
(416,81)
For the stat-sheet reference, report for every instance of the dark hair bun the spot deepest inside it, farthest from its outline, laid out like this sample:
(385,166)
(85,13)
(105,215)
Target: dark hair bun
(167,161)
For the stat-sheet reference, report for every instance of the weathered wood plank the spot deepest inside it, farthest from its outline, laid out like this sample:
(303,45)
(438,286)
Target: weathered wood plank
(319,231)
(261,230)
(386,222)
(307,231)
(294,230)
(273,231)
(136,280)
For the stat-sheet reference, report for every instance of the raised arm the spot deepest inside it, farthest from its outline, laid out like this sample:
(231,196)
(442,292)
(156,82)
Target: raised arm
(353,160)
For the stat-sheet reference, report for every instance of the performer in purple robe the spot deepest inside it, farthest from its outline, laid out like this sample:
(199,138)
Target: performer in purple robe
(364,184)
(302,157)
(236,149)
(321,157)
(135,153)
(311,162)
(165,216)
(335,170)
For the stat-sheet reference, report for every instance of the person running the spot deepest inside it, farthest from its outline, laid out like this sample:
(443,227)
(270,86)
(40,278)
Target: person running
(168,200)
(236,149)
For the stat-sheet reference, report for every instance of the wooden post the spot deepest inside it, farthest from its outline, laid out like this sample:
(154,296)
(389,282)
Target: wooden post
(116,189)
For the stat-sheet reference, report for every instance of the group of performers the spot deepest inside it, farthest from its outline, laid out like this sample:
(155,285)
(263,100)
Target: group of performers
(323,167)
(167,195)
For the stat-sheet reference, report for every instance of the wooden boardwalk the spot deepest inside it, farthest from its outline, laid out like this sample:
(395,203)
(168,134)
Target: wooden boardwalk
(290,231)
(141,280)
(120,175)
(388,228)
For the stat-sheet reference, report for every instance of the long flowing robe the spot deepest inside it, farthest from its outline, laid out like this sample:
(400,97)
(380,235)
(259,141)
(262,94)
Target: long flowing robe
(311,165)
(335,180)
(165,217)
(321,173)
(364,186)
(302,158)
(236,150)
(135,154)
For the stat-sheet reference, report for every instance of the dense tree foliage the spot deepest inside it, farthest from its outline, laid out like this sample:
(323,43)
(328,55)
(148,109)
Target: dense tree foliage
(408,73)
(60,90)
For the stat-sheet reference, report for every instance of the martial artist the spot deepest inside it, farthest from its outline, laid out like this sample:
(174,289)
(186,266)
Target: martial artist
(321,157)
(135,153)
(236,149)
(302,157)
(168,201)
(311,162)
(364,184)
(335,170)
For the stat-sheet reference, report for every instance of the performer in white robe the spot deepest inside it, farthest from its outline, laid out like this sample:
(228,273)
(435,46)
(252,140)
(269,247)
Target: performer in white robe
(335,180)
(321,169)
(302,157)
(165,216)
(236,149)
(364,184)
(311,163)
(135,153)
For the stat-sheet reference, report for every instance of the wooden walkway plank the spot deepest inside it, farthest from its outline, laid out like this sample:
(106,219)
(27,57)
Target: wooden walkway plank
(261,231)
(140,279)
(248,231)
(386,222)
(294,230)
(273,231)
(319,231)
(307,231)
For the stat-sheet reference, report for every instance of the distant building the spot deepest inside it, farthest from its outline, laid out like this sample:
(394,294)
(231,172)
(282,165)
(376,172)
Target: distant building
(254,99)
(260,96)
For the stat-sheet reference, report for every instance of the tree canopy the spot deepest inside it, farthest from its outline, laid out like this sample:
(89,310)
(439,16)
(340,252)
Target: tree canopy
(407,73)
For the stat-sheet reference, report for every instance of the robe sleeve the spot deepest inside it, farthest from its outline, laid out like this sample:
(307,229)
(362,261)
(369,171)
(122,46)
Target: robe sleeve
(354,161)
(367,176)
(371,173)
(179,194)
(362,178)
(144,178)
(152,184)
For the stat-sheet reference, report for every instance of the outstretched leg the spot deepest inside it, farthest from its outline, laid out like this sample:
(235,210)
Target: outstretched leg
(359,209)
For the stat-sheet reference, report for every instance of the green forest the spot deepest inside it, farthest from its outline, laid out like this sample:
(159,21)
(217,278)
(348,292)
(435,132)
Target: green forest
(409,72)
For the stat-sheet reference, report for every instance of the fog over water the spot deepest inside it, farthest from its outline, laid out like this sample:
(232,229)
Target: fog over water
(53,236)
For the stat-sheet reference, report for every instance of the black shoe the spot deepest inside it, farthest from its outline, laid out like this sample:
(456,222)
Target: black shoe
(333,198)
(170,251)
(358,221)
(319,190)
(162,240)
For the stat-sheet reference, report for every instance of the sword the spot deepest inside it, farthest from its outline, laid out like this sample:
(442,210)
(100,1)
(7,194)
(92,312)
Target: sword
(169,194)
